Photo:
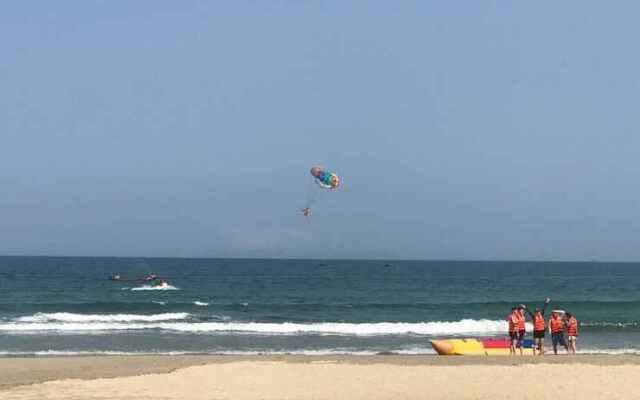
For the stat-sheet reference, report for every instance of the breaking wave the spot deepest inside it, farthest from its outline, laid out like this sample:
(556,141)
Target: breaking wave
(174,322)
(72,317)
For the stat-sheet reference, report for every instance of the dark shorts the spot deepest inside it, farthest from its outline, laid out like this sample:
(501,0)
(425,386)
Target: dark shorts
(558,338)
(538,334)
(513,335)
(520,338)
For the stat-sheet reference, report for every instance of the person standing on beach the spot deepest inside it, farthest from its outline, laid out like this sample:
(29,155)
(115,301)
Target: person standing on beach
(537,316)
(521,327)
(572,332)
(513,319)
(556,328)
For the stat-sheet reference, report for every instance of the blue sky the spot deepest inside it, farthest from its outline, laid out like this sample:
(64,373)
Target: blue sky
(488,130)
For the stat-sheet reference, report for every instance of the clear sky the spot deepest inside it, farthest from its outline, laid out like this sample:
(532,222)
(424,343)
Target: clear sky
(461,130)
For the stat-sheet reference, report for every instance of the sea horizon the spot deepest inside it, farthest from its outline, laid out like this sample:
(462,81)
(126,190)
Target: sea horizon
(497,260)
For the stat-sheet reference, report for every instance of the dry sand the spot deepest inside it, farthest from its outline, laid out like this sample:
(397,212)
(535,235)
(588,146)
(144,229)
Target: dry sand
(336,377)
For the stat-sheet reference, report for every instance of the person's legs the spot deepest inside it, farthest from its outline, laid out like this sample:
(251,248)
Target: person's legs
(521,341)
(561,341)
(539,346)
(572,344)
(538,337)
(554,342)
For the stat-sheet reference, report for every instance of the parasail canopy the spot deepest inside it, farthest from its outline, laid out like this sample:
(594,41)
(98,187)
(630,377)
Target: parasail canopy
(324,178)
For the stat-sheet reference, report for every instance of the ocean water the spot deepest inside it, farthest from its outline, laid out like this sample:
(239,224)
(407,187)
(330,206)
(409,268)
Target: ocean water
(52,305)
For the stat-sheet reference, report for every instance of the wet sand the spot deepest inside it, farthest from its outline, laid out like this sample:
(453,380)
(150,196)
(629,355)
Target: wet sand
(319,377)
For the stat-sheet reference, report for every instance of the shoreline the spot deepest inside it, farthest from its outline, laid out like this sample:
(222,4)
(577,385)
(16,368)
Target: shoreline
(30,370)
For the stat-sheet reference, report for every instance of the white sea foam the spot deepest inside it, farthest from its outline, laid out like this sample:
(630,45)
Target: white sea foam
(88,318)
(306,352)
(88,353)
(610,351)
(611,324)
(200,303)
(162,303)
(133,322)
(413,350)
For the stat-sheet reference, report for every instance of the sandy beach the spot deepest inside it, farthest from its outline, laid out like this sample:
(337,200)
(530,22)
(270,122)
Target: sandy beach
(315,377)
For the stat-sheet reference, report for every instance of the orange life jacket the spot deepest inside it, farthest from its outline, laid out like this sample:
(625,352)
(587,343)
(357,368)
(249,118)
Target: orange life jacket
(538,322)
(556,324)
(513,322)
(521,322)
(572,327)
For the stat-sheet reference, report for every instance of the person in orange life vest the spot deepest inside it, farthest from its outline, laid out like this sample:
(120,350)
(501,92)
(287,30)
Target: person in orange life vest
(572,332)
(537,316)
(521,327)
(513,319)
(556,328)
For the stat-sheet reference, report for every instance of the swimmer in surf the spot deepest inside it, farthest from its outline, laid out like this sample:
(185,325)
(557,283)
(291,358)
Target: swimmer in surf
(306,211)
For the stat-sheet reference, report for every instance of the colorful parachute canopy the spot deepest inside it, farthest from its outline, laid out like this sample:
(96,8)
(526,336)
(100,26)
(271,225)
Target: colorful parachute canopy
(325,179)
